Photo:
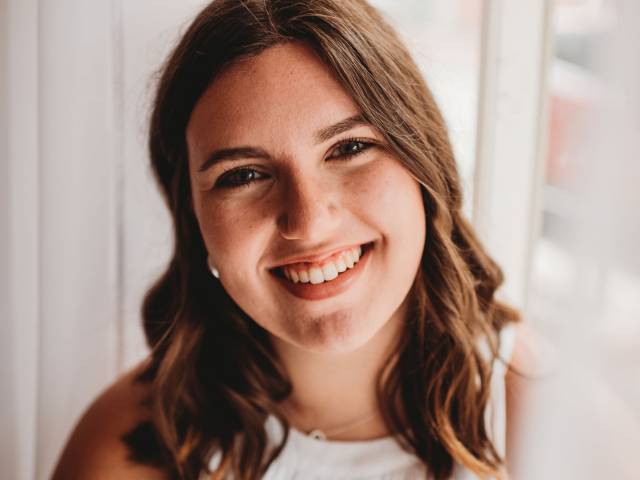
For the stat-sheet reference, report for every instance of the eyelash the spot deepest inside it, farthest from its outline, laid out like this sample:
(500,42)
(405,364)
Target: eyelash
(223,181)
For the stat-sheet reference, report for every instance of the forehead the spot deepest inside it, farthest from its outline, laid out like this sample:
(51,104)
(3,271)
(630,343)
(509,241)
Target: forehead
(285,90)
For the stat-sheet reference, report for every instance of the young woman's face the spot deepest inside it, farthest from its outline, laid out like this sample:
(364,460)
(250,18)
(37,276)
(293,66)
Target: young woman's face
(284,171)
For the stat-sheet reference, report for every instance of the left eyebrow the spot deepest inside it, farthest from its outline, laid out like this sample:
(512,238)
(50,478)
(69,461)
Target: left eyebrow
(232,154)
(342,126)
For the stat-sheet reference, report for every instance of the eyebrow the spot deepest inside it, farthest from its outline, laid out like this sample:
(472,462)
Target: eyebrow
(340,127)
(321,136)
(232,154)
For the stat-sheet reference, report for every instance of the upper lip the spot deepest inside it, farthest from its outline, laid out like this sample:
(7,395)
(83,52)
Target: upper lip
(316,256)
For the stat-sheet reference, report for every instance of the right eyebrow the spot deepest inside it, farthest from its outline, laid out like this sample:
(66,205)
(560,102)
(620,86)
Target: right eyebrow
(225,154)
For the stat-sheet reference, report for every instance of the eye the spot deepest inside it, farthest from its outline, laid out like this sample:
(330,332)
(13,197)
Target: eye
(239,177)
(350,148)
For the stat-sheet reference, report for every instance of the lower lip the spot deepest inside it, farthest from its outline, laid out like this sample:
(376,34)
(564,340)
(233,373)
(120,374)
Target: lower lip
(338,285)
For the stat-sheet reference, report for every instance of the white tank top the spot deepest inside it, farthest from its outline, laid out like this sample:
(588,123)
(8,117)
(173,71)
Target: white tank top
(307,458)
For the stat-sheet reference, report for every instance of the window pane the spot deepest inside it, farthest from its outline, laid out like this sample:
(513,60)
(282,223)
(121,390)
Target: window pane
(444,38)
(585,284)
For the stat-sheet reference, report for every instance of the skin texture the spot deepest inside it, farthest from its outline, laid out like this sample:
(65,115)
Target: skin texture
(277,102)
(308,199)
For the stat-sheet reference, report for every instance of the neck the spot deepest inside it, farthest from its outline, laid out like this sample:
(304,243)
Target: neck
(332,391)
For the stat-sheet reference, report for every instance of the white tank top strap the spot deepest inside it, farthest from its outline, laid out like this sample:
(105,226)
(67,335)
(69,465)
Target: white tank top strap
(496,412)
(506,345)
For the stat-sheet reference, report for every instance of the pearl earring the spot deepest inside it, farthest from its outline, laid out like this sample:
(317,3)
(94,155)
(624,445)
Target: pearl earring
(214,270)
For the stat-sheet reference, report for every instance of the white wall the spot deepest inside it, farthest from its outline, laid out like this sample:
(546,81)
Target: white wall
(77,234)
(19,349)
(83,229)
(146,236)
(60,216)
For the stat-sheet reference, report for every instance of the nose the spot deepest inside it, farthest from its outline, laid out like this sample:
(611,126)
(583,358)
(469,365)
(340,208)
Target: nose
(309,211)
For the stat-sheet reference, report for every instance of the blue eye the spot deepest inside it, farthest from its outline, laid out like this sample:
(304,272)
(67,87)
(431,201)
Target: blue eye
(350,148)
(239,177)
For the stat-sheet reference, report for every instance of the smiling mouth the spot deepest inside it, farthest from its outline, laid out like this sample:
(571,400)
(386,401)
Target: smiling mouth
(321,289)
(327,271)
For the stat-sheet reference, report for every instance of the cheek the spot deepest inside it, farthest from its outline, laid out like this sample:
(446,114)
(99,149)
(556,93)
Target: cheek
(392,198)
(227,229)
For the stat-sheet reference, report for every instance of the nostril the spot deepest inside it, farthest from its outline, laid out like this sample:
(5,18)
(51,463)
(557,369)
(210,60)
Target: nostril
(307,217)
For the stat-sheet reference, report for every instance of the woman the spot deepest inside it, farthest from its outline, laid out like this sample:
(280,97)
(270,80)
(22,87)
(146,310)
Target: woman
(327,310)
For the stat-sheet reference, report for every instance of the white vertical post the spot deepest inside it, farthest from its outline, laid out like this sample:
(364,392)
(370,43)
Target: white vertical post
(19,183)
(510,144)
(77,223)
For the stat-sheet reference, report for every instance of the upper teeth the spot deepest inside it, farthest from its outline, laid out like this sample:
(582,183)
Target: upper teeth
(315,273)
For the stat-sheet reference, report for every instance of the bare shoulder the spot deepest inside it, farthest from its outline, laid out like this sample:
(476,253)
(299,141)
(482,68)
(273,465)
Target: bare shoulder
(95,449)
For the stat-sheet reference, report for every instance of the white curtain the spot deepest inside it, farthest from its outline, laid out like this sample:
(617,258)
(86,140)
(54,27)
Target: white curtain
(84,231)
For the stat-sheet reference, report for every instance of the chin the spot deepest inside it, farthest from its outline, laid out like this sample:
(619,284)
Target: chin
(337,335)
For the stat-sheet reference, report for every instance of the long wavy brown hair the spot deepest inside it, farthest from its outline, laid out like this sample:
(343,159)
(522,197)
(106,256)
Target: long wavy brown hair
(214,376)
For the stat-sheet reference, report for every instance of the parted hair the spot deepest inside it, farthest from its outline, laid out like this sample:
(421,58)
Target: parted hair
(213,375)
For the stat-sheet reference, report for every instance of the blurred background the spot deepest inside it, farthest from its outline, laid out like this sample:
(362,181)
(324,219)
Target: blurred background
(542,101)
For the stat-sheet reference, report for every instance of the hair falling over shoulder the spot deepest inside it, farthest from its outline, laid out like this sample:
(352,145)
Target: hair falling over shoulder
(213,373)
